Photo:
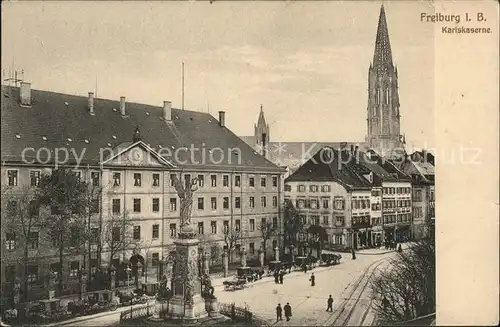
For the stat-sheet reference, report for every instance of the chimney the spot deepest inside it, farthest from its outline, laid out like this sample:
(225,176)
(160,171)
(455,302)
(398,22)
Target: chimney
(264,145)
(91,103)
(25,93)
(167,110)
(222,118)
(352,149)
(122,105)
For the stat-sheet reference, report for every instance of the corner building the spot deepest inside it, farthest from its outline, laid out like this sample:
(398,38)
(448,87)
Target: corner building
(132,151)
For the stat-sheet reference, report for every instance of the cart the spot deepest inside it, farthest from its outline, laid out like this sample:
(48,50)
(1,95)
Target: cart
(330,258)
(100,301)
(46,311)
(236,284)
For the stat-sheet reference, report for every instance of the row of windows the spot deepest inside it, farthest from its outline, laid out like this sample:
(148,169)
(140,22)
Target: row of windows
(358,220)
(417,212)
(117,231)
(338,203)
(116,204)
(417,195)
(315,220)
(386,204)
(376,192)
(391,219)
(200,180)
(12,176)
(312,188)
(35,175)
(361,203)
(397,190)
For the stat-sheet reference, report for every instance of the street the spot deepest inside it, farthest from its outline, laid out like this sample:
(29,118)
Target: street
(345,282)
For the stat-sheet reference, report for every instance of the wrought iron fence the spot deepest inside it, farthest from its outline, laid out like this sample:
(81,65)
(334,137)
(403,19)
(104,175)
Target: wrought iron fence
(240,314)
(137,312)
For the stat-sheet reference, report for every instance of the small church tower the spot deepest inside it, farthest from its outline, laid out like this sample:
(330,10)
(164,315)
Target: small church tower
(383,119)
(262,133)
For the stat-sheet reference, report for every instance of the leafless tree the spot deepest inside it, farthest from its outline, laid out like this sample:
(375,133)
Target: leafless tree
(407,289)
(231,237)
(292,224)
(21,217)
(267,231)
(117,235)
(65,194)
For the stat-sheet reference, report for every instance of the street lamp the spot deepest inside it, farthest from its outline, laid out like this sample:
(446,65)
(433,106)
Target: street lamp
(129,273)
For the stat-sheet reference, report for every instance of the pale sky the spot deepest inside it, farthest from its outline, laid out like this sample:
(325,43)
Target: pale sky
(305,62)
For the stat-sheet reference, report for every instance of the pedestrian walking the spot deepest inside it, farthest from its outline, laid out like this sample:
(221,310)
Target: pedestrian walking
(312,279)
(329,303)
(282,273)
(276,276)
(353,254)
(279,311)
(288,311)
(400,249)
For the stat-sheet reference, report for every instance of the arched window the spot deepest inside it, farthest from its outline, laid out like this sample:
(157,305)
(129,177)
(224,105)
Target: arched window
(387,96)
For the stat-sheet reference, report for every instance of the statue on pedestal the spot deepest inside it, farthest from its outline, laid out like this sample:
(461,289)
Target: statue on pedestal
(185,193)
(243,257)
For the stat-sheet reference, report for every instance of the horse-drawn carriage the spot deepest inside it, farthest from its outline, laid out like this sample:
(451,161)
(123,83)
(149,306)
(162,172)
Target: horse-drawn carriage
(100,301)
(238,283)
(330,258)
(46,311)
(251,274)
(130,297)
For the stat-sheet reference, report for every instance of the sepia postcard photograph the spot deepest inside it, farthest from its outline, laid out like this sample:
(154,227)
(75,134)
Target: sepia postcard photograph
(249,163)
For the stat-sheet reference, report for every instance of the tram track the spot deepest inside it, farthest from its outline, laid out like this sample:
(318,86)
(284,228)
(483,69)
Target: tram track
(343,314)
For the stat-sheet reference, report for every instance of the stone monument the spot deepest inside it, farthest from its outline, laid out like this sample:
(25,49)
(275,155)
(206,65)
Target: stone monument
(243,257)
(186,302)
(225,263)
(261,257)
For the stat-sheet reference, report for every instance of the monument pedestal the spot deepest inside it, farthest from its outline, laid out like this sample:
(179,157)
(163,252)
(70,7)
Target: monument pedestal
(187,302)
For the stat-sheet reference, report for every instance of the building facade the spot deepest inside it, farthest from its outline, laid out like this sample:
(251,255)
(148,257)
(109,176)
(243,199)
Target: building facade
(360,199)
(130,154)
(421,169)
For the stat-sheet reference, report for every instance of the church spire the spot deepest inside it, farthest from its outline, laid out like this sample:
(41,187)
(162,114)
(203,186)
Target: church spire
(261,121)
(382,58)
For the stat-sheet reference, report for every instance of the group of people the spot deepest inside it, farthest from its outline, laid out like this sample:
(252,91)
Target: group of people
(287,309)
(279,312)
(278,276)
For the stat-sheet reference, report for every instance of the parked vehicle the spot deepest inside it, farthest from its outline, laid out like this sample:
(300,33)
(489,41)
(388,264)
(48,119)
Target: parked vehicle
(130,298)
(100,301)
(236,284)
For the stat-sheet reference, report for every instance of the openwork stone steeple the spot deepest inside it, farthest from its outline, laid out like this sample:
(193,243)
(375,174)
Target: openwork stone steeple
(383,116)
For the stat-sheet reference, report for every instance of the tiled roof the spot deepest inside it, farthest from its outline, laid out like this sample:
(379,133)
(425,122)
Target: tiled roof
(423,170)
(57,120)
(294,154)
(334,169)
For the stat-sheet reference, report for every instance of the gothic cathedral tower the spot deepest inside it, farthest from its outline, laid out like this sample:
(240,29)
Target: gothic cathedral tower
(262,133)
(383,100)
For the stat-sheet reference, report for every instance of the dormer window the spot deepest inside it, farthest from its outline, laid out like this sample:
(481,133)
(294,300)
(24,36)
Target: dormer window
(18,136)
(44,138)
(70,139)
